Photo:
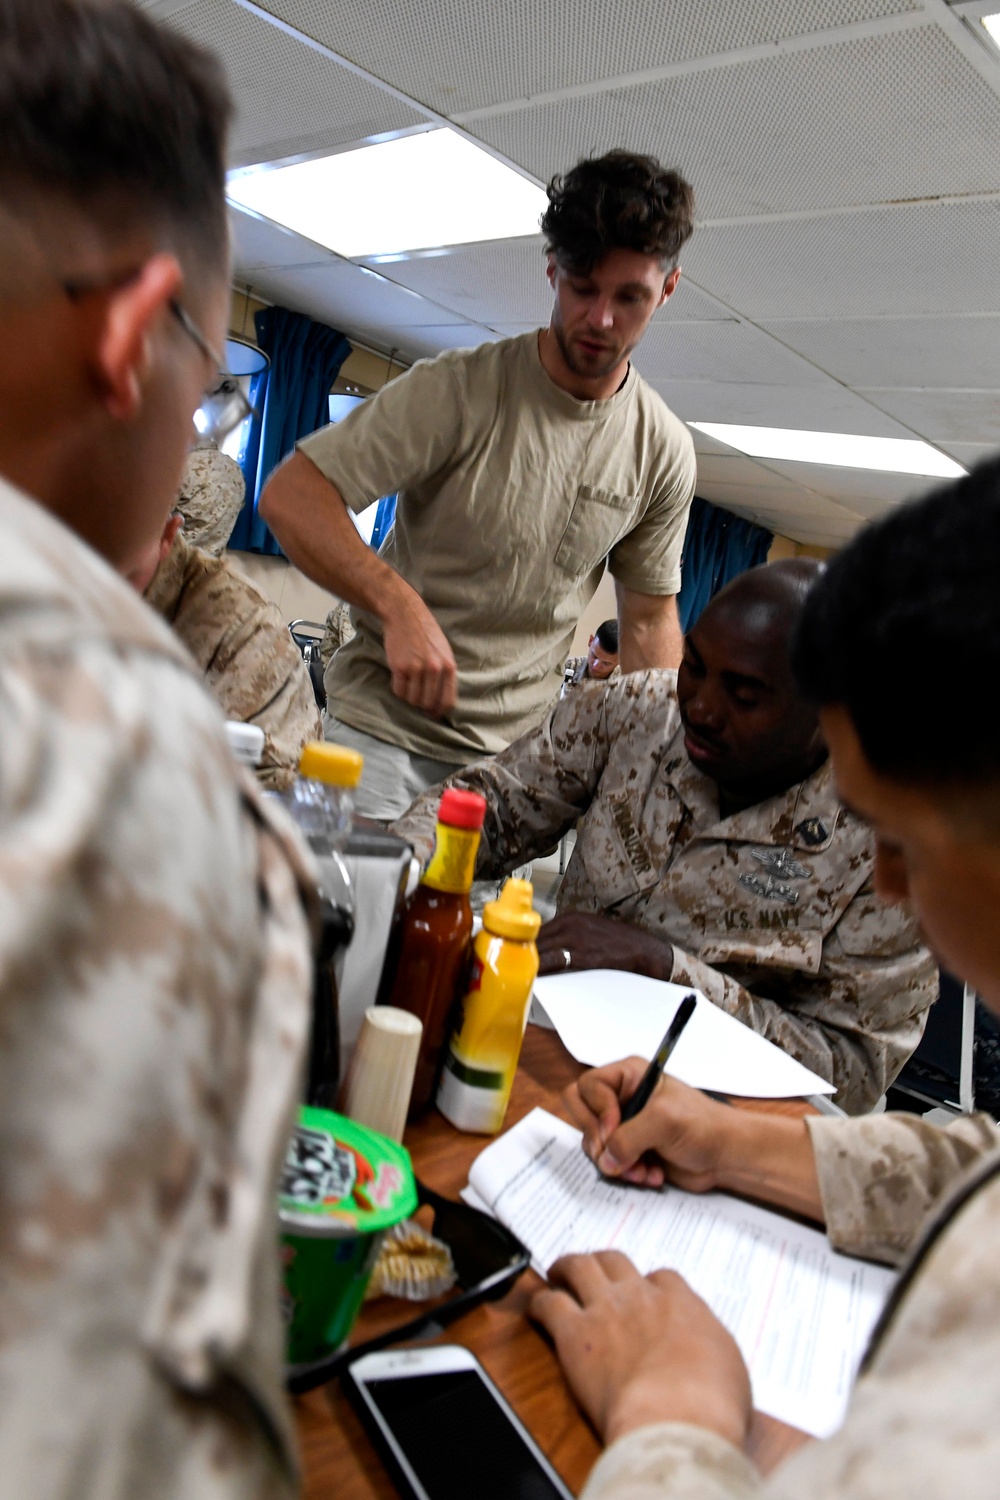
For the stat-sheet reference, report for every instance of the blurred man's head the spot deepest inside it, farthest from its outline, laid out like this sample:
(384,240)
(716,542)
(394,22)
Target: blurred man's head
(602,650)
(900,646)
(114,260)
(746,723)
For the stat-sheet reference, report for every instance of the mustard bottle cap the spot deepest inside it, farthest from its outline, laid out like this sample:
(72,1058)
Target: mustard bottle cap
(334,764)
(512,916)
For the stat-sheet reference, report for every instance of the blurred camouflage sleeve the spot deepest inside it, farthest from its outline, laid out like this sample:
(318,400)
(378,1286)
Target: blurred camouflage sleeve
(239,640)
(535,790)
(857,1020)
(881,1176)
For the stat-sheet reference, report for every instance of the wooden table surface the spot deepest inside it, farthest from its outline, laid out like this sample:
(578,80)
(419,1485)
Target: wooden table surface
(338,1460)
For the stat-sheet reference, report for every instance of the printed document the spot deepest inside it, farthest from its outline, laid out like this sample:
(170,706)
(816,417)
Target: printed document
(800,1312)
(602,1015)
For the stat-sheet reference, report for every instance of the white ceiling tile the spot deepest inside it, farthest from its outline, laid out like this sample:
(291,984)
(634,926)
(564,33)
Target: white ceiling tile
(909,258)
(344,297)
(289,98)
(877,119)
(861,490)
(810,408)
(970,454)
(727,467)
(938,352)
(726,352)
(961,416)
(458,55)
(259,242)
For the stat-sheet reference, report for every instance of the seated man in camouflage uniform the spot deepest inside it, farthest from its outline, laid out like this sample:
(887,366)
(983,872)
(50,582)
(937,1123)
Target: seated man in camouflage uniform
(154,956)
(912,600)
(599,664)
(713,850)
(239,640)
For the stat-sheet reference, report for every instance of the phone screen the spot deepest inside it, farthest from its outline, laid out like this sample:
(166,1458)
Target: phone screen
(458,1439)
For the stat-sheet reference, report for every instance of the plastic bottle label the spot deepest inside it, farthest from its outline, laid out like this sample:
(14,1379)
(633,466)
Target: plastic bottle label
(453,863)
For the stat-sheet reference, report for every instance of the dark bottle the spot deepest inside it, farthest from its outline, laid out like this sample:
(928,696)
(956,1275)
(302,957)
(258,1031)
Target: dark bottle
(425,970)
(321,803)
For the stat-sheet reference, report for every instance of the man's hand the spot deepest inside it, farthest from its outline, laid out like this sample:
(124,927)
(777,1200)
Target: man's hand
(642,1349)
(309,517)
(596,942)
(419,656)
(686,1138)
(681,1136)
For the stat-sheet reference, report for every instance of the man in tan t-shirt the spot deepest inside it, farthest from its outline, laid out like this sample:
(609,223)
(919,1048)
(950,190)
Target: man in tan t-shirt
(522,467)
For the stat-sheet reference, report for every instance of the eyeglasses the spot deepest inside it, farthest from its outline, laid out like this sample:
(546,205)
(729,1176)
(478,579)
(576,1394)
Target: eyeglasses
(224,404)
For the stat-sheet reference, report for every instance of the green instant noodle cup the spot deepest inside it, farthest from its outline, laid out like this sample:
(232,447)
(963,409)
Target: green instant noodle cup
(342,1187)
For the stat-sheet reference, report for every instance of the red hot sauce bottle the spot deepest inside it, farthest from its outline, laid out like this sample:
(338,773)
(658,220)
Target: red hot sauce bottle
(433,937)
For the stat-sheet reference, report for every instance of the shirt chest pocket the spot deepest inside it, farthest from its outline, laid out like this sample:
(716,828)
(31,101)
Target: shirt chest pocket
(598,519)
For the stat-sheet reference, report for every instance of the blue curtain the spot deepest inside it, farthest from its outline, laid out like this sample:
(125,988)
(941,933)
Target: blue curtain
(305,358)
(718,545)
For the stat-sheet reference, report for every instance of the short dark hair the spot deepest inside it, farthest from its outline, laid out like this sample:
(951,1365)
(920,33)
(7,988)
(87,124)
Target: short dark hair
(104,107)
(620,201)
(607,636)
(902,629)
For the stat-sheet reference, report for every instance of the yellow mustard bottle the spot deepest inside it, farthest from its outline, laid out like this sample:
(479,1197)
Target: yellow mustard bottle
(482,1055)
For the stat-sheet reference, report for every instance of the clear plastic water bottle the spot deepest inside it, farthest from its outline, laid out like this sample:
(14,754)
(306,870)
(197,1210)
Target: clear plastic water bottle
(321,800)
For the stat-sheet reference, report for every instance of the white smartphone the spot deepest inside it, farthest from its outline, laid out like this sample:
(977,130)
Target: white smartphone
(444,1429)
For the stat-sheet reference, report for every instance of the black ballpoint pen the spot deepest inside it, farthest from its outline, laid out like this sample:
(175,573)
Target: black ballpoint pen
(661,1056)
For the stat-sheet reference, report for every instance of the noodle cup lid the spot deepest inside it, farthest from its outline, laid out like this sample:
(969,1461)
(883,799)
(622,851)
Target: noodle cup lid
(340,1178)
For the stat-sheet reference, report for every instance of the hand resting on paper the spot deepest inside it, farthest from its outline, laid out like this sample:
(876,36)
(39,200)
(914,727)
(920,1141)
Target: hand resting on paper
(596,942)
(686,1138)
(642,1349)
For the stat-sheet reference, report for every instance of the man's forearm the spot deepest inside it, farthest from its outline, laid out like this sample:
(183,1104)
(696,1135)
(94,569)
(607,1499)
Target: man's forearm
(771,1158)
(309,517)
(649,631)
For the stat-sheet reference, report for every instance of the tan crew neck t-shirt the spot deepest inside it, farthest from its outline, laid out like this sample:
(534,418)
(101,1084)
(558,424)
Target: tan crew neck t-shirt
(512,495)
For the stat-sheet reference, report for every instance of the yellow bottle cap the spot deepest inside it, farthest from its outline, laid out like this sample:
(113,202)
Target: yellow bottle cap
(334,764)
(512,915)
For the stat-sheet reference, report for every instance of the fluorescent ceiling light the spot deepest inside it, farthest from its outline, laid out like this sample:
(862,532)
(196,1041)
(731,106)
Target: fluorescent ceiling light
(841,450)
(414,193)
(992,24)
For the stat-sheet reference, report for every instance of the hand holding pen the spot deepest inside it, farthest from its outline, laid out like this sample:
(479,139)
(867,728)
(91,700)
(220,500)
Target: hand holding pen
(676,1134)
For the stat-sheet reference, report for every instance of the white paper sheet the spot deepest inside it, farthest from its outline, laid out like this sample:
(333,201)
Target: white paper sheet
(605,1014)
(801,1313)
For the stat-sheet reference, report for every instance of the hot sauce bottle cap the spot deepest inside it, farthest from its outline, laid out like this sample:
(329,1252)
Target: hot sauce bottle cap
(462,809)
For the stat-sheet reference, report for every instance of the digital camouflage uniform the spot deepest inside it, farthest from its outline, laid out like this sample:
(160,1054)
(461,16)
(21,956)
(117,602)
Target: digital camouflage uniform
(339,630)
(923,1417)
(771,912)
(240,642)
(154,984)
(575,672)
(210,498)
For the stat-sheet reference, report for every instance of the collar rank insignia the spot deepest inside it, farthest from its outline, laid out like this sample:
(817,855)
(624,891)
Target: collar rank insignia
(781,862)
(812,831)
(770,889)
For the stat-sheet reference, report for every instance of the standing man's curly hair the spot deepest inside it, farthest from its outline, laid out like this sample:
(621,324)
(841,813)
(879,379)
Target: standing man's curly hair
(620,201)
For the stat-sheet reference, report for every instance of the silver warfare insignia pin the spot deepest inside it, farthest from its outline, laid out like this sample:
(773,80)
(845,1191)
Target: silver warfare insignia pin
(770,889)
(782,863)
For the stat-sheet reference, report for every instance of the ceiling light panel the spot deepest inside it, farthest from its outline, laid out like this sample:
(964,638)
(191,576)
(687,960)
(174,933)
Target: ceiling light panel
(420,191)
(841,450)
(460,55)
